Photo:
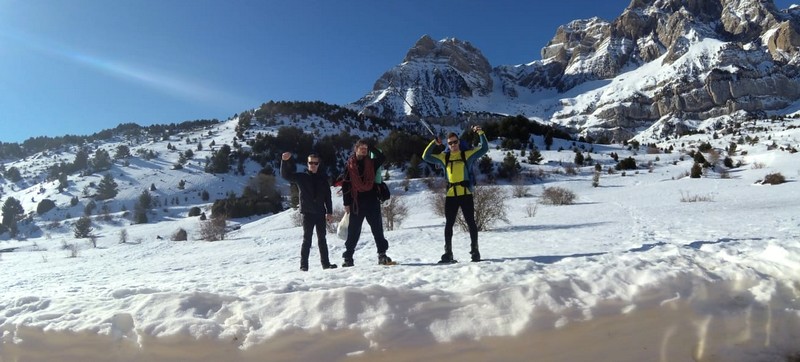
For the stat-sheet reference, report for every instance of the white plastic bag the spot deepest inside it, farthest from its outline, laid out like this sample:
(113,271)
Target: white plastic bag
(341,230)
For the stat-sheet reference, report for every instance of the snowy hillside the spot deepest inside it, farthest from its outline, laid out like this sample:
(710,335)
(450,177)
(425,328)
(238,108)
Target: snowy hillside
(650,265)
(133,175)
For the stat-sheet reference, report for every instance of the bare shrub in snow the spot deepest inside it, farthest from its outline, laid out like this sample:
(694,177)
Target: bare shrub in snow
(394,211)
(520,189)
(297,218)
(490,207)
(435,184)
(686,197)
(213,229)
(557,196)
(531,208)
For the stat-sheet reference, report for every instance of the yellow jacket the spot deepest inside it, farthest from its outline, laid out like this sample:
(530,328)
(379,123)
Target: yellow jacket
(456,168)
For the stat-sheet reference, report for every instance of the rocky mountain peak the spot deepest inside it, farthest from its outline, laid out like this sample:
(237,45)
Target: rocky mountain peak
(432,74)
(705,59)
(461,55)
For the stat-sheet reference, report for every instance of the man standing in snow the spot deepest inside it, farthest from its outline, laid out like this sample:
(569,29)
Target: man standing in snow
(360,199)
(315,205)
(457,164)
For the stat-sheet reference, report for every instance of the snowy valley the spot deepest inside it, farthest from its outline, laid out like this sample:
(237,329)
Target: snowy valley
(649,264)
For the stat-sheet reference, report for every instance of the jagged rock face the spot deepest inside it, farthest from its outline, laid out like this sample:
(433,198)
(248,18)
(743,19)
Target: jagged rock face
(433,77)
(461,56)
(748,19)
(784,42)
(755,70)
(586,50)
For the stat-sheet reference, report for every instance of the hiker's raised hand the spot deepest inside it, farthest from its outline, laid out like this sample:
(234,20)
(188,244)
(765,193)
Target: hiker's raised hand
(286,156)
(476,128)
(438,141)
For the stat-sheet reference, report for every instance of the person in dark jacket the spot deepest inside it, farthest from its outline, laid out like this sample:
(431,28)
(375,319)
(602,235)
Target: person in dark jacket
(360,199)
(457,164)
(316,206)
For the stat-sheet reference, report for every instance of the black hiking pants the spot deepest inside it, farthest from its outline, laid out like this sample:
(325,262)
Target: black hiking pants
(467,206)
(369,209)
(311,221)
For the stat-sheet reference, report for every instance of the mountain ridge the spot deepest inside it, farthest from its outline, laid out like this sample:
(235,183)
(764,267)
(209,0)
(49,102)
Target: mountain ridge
(754,70)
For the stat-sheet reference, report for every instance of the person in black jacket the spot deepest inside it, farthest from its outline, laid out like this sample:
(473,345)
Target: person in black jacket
(360,199)
(315,205)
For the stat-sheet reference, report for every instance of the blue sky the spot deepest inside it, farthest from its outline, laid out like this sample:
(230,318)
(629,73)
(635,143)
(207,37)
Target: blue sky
(80,66)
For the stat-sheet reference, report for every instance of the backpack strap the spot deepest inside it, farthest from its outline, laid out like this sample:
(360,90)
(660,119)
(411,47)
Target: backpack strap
(465,183)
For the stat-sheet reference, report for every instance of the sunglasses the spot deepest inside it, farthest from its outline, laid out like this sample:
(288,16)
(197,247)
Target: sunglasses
(313,163)
(452,142)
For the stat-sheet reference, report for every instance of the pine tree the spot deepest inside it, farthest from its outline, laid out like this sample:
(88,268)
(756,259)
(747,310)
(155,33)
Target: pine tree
(11,209)
(146,200)
(548,139)
(485,165)
(107,188)
(219,161)
(579,158)
(83,227)
(102,161)
(535,157)
(123,151)
(81,160)
(13,174)
(62,182)
(141,207)
(510,167)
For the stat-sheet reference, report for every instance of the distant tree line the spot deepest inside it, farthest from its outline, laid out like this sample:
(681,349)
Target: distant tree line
(44,143)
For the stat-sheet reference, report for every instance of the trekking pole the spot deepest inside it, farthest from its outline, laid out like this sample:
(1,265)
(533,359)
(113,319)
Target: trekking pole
(415,112)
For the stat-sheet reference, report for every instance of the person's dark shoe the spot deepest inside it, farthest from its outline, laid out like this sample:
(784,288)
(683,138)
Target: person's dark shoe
(447,258)
(385,260)
(476,256)
(304,268)
(348,259)
(330,266)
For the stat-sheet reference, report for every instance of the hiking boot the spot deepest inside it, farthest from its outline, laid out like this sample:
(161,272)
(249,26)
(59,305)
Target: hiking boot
(476,256)
(447,258)
(304,268)
(385,260)
(329,266)
(348,259)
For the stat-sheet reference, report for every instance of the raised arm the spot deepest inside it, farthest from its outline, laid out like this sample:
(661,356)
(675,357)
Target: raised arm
(379,158)
(428,155)
(288,168)
(482,150)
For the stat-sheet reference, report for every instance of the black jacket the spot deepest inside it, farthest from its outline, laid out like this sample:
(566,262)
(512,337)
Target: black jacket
(315,191)
(378,158)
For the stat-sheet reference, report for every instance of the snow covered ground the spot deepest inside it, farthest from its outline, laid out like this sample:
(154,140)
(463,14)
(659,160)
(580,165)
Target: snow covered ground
(650,266)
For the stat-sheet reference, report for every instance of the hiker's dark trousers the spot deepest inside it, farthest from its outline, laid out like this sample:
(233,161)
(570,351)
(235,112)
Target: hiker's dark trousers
(370,209)
(451,206)
(311,221)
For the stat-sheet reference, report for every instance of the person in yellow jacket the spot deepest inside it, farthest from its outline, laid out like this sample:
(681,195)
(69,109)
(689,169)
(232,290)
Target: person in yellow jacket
(457,164)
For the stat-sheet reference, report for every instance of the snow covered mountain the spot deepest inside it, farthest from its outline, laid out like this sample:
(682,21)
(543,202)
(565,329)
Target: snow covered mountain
(709,59)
